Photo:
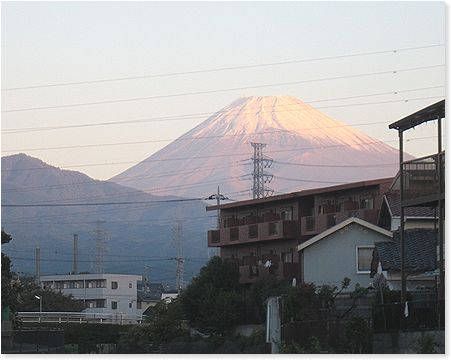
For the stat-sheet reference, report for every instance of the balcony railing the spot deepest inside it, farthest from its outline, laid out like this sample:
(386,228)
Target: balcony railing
(273,230)
(316,224)
(280,270)
(424,179)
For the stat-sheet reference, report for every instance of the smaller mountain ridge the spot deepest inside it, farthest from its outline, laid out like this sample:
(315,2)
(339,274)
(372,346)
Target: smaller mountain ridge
(132,232)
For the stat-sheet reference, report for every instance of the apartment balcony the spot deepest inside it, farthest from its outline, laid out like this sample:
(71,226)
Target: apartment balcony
(282,271)
(424,180)
(254,232)
(312,225)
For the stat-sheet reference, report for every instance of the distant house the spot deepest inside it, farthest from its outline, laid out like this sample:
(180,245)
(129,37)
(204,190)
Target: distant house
(114,294)
(415,217)
(149,295)
(420,262)
(261,236)
(344,250)
(169,295)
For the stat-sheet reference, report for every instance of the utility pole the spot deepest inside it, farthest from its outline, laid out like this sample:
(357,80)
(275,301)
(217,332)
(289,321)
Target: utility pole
(177,238)
(38,265)
(260,177)
(218,196)
(146,277)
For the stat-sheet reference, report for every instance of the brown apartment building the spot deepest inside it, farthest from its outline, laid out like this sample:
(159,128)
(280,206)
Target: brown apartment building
(261,235)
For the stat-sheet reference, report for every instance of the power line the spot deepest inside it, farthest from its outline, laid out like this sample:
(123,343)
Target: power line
(310,181)
(102,204)
(395,71)
(71,214)
(197,115)
(90,261)
(226,155)
(220,68)
(94,182)
(336,166)
(156,190)
(210,136)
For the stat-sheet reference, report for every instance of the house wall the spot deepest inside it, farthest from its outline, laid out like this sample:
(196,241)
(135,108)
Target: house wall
(331,259)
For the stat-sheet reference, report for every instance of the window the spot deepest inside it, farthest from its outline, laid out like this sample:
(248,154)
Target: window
(114,305)
(234,234)
(331,220)
(130,285)
(364,256)
(286,214)
(287,257)
(253,231)
(129,305)
(100,303)
(114,284)
(273,229)
(367,203)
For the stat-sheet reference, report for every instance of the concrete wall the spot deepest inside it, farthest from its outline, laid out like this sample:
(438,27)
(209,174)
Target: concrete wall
(333,258)
(406,342)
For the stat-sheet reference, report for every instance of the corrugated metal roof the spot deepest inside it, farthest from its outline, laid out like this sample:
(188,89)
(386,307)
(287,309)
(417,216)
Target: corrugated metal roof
(431,112)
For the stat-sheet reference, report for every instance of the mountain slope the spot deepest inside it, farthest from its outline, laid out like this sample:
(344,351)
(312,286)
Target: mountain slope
(298,138)
(136,232)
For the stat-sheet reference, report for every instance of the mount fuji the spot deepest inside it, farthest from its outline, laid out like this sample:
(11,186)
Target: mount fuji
(309,150)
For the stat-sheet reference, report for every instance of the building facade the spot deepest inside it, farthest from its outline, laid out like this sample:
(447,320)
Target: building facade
(102,293)
(262,235)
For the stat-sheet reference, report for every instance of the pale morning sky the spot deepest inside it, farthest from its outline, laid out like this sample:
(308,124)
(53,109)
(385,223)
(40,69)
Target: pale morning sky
(59,42)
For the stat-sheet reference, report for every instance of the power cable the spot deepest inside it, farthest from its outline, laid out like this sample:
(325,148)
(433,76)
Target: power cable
(202,137)
(140,177)
(225,155)
(197,115)
(220,68)
(395,71)
(102,204)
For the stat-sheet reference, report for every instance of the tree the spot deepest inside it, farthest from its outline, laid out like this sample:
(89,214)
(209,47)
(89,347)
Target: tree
(9,290)
(212,301)
(51,300)
(357,335)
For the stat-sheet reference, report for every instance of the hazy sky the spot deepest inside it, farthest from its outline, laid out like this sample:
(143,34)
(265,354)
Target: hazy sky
(59,42)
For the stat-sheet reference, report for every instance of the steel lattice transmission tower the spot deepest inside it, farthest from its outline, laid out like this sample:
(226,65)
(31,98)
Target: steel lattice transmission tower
(260,177)
(177,238)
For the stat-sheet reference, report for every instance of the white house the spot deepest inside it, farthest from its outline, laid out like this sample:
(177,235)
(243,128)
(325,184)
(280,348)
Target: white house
(114,294)
(344,250)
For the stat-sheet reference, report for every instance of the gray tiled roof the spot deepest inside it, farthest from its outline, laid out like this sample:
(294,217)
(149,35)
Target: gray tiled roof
(420,247)
(394,202)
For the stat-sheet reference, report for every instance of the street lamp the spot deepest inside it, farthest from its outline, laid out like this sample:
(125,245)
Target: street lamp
(40,306)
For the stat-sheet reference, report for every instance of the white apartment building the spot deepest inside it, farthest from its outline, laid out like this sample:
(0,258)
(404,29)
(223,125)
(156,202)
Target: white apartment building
(114,294)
